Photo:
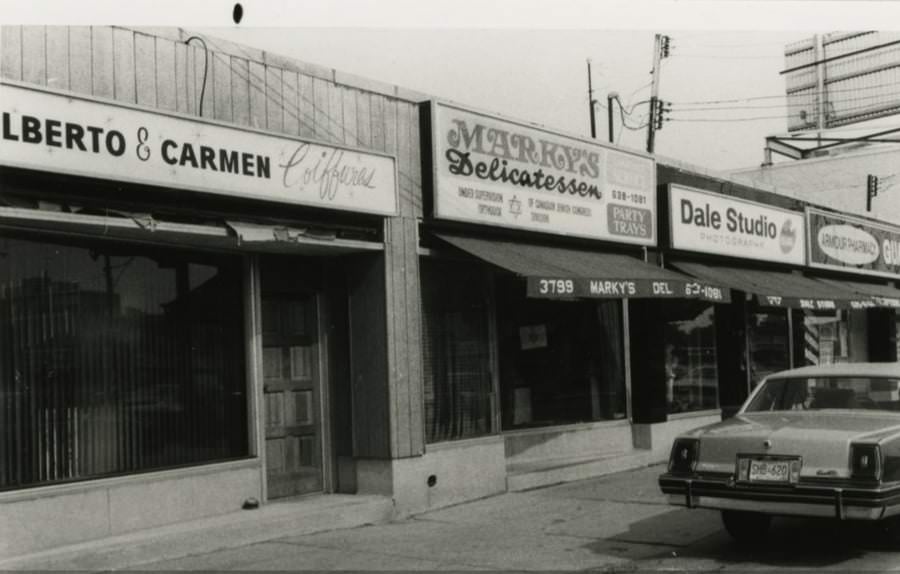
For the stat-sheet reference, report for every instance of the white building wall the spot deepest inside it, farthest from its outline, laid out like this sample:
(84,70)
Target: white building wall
(837,182)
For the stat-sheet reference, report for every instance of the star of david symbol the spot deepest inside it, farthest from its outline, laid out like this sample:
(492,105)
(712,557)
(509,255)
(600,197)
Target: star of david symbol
(515,206)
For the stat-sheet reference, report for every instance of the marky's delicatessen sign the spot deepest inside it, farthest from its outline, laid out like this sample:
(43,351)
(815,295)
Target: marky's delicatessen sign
(510,174)
(711,223)
(70,134)
(849,243)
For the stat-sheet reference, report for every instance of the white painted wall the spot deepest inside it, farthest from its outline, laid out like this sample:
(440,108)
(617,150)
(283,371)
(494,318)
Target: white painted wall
(837,182)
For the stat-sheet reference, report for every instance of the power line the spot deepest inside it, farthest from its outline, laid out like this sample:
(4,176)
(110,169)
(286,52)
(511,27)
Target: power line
(845,107)
(813,93)
(727,119)
(676,54)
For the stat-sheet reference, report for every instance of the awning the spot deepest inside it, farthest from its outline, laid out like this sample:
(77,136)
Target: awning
(882,295)
(287,239)
(143,227)
(779,288)
(561,273)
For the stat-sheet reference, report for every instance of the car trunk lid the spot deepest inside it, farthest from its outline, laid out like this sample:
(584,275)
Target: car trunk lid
(821,438)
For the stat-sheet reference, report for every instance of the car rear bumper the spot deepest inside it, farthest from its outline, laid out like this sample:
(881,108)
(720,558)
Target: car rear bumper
(850,502)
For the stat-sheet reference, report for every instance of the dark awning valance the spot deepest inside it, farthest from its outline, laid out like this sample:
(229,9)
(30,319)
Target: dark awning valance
(556,272)
(779,288)
(882,295)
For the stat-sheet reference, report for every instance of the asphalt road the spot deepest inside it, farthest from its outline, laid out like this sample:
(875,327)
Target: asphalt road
(618,523)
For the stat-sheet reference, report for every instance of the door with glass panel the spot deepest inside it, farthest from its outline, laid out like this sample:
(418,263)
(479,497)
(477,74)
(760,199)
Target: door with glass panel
(291,389)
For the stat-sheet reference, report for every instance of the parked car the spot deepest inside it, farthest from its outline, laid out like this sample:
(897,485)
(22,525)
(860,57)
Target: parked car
(815,441)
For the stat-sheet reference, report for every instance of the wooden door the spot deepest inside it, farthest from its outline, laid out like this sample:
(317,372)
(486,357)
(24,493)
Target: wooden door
(291,388)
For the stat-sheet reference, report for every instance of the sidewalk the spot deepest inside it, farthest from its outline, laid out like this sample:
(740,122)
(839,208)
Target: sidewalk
(601,523)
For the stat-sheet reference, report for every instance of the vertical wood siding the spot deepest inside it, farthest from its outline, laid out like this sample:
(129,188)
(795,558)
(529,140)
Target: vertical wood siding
(165,76)
(145,70)
(57,57)
(11,52)
(34,64)
(80,59)
(245,87)
(102,62)
(123,45)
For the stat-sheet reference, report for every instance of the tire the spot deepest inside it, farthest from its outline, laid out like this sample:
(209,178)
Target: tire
(746,527)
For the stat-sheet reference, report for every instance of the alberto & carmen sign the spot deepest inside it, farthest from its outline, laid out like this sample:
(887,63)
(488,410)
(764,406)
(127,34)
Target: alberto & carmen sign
(66,133)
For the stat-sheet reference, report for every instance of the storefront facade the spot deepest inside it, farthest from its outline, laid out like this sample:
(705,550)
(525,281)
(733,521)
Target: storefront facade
(195,293)
(230,276)
(788,308)
(535,251)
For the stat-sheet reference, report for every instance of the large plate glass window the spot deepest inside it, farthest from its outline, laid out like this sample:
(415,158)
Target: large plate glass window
(839,336)
(459,392)
(769,345)
(561,362)
(691,370)
(117,359)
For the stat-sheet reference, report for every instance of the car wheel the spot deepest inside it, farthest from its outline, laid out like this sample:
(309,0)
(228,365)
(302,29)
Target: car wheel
(746,527)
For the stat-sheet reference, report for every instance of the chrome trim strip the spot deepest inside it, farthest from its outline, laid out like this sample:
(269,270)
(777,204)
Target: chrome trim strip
(785,508)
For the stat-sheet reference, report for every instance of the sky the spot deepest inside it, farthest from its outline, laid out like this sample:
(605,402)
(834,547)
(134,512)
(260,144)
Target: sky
(527,59)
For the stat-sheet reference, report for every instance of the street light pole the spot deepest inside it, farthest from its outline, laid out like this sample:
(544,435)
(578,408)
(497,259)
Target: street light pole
(591,102)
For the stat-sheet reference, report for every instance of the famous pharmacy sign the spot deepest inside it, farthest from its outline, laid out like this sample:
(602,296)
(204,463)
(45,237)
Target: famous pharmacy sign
(511,174)
(69,134)
(849,243)
(712,223)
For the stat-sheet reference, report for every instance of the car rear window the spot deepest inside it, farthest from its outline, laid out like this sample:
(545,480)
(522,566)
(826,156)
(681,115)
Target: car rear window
(817,393)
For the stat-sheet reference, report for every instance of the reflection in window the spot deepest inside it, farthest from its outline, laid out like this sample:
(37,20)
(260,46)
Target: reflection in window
(825,338)
(561,362)
(769,347)
(116,360)
(690,357)
(866,393)
(456,360)
(897,337)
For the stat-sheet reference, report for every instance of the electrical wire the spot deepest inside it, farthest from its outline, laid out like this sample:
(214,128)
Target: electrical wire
(814,93)
(713,120)
(676,54)
(205,67)
(844,109)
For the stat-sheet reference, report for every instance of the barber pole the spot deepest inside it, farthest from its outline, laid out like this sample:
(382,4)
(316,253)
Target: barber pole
(810,338)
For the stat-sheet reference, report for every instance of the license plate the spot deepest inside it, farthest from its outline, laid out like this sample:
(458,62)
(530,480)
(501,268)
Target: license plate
(770,471)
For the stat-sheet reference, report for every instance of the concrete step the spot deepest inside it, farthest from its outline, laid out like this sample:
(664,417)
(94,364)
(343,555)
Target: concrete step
(289,518)
(535,474)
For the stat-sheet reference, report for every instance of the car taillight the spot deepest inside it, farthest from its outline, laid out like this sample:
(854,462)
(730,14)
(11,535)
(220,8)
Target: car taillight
(685,454)
(865,461)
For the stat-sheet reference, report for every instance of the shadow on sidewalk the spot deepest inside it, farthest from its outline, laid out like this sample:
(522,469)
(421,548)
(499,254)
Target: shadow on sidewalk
(792,542)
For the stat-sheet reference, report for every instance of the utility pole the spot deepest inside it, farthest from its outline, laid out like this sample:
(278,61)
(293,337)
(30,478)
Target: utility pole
(592,102)
(654,92)
(611,98)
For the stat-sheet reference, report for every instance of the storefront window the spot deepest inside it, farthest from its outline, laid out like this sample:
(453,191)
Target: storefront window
(769,344)
(117,359)
(561,362)
(897,336)
(690,357)
(836,337)
(456,351)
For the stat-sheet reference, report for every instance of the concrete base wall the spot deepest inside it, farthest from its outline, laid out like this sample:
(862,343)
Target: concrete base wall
(590,439)
(462,470)
(658,437)
(41,518)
